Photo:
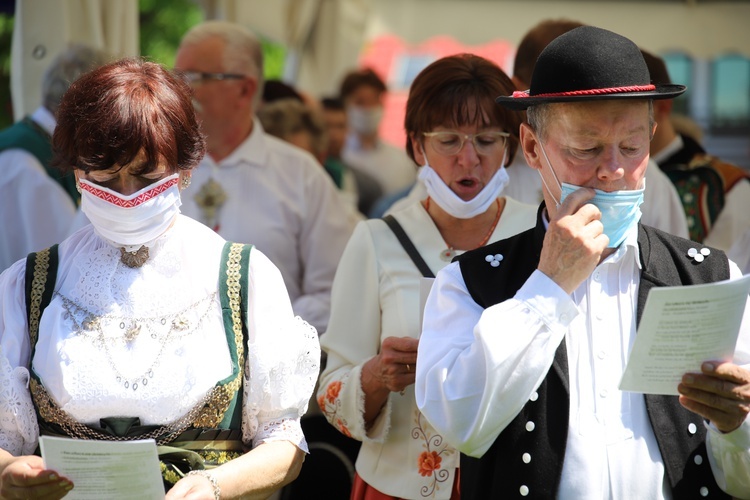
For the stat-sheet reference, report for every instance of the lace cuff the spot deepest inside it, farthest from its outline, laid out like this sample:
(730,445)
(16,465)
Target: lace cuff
(19,430)
(285,429)
(280,374)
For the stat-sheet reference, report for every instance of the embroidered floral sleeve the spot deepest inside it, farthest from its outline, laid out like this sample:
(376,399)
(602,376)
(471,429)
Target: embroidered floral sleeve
(283,361)
(352,338)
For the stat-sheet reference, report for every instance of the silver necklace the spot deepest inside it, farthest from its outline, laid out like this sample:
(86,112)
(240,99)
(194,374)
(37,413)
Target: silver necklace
(128,331)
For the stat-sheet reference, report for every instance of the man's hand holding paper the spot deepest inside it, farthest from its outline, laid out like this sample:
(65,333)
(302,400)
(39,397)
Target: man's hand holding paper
(721,394)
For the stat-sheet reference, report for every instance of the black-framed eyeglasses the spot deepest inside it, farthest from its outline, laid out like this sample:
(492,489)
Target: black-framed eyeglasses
(193,77)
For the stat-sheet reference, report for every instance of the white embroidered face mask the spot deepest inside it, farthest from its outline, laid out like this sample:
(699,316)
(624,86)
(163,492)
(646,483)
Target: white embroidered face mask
(135,219)
(452,203)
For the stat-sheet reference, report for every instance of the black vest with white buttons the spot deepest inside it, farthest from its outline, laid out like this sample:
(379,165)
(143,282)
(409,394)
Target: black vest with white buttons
(526,459)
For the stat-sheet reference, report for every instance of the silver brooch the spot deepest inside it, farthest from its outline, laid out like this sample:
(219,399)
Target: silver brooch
(494,260)
(698,255)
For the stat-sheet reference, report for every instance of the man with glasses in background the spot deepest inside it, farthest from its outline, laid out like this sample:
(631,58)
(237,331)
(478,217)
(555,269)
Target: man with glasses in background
(252,187)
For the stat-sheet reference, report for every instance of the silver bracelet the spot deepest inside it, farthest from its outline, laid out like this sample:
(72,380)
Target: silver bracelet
(211,479)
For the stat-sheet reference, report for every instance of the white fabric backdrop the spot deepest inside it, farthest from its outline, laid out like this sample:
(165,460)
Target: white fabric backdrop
(43,28)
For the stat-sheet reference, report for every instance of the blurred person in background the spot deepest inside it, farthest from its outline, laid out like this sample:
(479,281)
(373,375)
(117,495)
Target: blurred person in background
(255,188)
(38,202)
(363,93)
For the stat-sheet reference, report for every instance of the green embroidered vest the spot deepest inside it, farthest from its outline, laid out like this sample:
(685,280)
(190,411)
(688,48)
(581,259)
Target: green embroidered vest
(29,136)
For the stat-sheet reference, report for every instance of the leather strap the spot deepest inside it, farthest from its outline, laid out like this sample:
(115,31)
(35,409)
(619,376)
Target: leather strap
(409,247)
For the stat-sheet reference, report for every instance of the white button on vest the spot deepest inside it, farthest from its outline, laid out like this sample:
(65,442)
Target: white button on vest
(523,490)
(601,354)
(526,458)
(534,396)
(704,491)
(698,460)
(603,393)
(692,428)
(530,426)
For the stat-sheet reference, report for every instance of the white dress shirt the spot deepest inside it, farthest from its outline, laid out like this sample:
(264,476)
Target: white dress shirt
(85,370)
(281,200)
(36,210)
(477,368)
(390,166)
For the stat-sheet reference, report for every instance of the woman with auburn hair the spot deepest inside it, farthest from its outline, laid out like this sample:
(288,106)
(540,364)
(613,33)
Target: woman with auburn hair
(462,141)
(147,324)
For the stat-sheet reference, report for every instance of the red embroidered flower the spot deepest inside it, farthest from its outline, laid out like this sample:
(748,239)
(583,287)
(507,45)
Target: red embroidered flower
(342,428)
(333,391)
(321,403)
(429,462)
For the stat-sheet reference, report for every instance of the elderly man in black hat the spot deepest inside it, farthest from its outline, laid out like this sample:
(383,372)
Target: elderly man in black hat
(524,341)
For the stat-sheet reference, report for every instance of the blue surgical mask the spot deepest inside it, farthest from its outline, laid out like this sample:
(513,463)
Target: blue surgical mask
(620,209)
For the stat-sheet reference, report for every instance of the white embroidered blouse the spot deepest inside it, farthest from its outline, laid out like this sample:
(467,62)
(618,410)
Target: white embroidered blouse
(150,342)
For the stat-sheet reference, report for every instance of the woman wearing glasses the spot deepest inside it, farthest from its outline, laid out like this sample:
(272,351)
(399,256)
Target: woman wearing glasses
(463,141)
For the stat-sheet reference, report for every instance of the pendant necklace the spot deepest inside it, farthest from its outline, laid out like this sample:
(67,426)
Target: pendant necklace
(450,252)
(135,258)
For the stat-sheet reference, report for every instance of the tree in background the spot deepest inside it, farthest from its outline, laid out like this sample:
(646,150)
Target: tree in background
(162,24)
(6,106)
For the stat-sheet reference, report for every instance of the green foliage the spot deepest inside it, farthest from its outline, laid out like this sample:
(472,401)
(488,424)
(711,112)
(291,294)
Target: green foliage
(6,106)
(162,24)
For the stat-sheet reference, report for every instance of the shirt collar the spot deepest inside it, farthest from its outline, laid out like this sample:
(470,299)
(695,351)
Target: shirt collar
(668,150)
(252,150)
(42,117)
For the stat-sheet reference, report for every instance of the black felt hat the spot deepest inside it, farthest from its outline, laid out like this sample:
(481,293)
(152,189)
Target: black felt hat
(589,63)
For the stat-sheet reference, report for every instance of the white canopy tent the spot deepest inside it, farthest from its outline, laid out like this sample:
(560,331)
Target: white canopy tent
(325,37)
(43,28)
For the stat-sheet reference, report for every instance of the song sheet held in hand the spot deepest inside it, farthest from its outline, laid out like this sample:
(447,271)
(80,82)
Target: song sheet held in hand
(115,470)
(681,327)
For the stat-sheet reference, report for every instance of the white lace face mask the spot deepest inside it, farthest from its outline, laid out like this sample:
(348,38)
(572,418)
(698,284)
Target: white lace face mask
(135,219)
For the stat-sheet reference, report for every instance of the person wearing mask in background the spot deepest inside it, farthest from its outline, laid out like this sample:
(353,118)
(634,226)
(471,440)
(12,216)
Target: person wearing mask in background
(300,124)
(661,204)
(524,342)
(37,201)
(463,142)
(715,194)
(255,188)
(356,184)
(363,93)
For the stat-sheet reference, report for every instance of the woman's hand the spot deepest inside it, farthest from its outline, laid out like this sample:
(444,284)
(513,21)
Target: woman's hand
(26,477)
(193,487)
(392,370)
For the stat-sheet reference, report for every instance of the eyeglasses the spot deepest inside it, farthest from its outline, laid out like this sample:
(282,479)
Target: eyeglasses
(193,77)
(451,143)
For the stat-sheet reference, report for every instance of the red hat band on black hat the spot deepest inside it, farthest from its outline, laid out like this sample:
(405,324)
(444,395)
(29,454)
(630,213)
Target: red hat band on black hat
(589,63)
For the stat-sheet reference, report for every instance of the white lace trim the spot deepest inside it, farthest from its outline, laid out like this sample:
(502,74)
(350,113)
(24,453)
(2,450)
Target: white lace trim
(281,380)
(19,430)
